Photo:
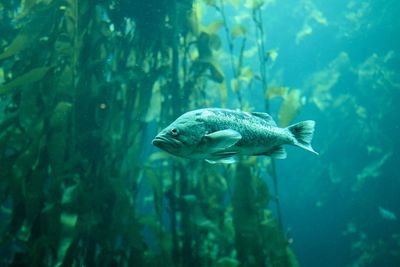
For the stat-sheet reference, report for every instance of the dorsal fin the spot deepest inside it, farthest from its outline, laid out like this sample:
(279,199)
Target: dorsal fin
(265,116)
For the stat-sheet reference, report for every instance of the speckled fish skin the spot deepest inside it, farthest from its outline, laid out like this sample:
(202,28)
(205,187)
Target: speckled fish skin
(218,135)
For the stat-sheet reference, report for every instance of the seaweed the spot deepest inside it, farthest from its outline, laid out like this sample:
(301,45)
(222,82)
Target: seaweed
(85,86)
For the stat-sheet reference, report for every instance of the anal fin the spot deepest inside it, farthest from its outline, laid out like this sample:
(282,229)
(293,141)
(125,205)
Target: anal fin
(277,152)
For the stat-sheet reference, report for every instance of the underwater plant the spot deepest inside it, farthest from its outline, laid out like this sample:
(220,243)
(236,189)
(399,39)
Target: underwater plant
(85,85)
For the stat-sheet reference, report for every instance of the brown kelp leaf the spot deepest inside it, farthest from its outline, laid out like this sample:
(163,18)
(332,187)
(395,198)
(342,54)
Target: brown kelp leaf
(57,140)
(291,107)
(21,42)
(30,30)
(271,55)
(154,111)
(65,82)
(223,92)
(215,42)
(216,72)
(275,91)
(235,4)
(245,74)
(155,181)
(238,31)
(25,162)
(24,79)
(234,85)
(59,119)
(203,46)
(213,67)
(214,26)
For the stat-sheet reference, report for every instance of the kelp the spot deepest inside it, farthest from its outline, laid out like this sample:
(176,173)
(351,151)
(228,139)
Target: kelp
(258,240)
(85,89)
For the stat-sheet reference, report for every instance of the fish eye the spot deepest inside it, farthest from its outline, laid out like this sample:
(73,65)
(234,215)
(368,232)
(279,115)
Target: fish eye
(174,131)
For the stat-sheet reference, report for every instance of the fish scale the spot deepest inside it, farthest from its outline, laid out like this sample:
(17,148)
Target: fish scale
(253,129)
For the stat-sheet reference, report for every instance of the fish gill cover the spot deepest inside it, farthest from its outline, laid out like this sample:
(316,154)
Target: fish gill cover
(86,85)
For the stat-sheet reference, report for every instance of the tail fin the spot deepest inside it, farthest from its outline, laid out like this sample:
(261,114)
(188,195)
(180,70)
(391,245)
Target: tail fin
(303,133)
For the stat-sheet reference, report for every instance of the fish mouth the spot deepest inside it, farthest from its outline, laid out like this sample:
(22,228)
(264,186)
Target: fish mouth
(166,143)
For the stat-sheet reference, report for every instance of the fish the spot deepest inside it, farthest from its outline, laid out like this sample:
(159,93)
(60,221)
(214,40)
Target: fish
(220,135)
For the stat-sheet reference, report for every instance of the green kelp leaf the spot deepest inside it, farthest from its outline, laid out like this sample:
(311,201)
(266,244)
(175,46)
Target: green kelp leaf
(291,107)
(68,219)
(197,14)
(29,111)
(31,76)
(372,170)
(154,111)
(69,194)
(227,262)
(24,232)
(30,7)
(63,45)
(238,31)
(254,4)
(210,2)
(159,156)
(235,3)
(292,257)
(193,20)
(64,245)
(26,161)
(305,31)
(1,75)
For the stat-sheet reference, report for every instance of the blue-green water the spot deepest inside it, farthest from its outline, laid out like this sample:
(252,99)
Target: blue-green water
(332,203)
(85,87)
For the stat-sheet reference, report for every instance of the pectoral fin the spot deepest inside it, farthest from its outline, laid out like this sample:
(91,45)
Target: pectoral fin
(221,140)
(227,160)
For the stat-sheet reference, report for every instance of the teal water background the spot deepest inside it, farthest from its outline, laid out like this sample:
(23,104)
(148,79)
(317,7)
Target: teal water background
(331,204)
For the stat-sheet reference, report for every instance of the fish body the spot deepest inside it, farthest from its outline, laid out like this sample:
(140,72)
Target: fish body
(219,135)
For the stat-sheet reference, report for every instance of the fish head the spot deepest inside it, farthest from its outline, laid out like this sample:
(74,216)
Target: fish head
(181,137)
